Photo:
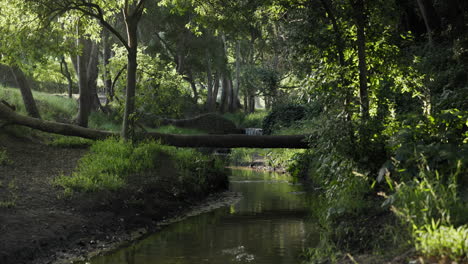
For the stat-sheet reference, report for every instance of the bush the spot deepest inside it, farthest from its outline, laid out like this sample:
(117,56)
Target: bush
(283,116)
(444,241)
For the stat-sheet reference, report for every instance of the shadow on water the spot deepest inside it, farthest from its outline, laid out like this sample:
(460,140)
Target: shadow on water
(269,225)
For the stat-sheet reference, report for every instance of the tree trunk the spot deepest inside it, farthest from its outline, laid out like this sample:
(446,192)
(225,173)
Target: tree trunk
(360,16)
(336,29)
(66,73)
(209,82)
(193,85)
(92,71)
(107,54)
(211,141)
(25,90)
(83,85)
(251,103)
(225,92)
(426,20)
(231,99)
(235,93)
(128,119)
(215,92)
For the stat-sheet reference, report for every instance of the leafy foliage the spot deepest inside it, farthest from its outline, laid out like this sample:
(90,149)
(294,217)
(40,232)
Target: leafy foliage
(160,89)
(283,116)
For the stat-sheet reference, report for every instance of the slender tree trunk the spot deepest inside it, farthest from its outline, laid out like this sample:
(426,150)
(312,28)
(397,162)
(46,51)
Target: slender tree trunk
(236,88)
(83,85)
(25,90)
(193,85)
(426,20)
(128,119)
(107,54)
(215,92)
(231,99)
(209,80)
(251,103)
(336,29)
(224,94)
(92,71)
(66,73)
(246,102)
(360,16)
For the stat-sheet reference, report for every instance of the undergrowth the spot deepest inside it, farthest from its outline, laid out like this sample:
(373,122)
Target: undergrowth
(247,120)
(111,164)
(69,142)
(274,158)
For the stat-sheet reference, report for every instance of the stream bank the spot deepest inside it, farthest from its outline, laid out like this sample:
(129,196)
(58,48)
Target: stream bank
(40,225)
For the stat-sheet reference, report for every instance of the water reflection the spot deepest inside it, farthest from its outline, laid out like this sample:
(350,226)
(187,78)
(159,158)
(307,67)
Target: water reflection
(266,226)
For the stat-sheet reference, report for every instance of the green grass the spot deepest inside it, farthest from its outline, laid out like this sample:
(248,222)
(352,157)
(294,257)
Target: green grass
(275,158)
(444,241)
(110,163)
(51,107)
(102,121)
(69,142)
(247,120)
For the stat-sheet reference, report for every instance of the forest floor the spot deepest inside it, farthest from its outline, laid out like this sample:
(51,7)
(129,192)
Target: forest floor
(38,225)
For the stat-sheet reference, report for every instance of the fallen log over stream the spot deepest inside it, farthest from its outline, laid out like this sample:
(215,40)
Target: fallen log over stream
(9,116)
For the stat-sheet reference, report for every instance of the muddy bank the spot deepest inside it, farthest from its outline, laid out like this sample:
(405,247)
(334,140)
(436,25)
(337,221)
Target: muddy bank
(39,225)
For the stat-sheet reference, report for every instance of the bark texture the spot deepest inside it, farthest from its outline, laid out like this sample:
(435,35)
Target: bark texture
(26,93)
(360,16)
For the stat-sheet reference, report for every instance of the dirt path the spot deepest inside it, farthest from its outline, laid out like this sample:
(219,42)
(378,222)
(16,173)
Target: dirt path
(32,218)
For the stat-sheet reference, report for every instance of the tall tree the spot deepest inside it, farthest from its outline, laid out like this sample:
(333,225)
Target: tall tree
(132,12)
(360,17)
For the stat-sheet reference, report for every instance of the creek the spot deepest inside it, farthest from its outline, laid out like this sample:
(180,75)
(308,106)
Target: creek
(268,225)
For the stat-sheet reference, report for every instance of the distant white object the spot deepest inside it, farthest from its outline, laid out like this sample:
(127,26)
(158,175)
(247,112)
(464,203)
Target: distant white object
(253,131)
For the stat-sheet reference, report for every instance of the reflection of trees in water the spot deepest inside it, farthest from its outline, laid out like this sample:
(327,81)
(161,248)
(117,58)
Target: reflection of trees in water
(268,225)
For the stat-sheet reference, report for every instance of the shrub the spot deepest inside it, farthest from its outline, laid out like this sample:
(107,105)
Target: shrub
(283,116)
(444,241)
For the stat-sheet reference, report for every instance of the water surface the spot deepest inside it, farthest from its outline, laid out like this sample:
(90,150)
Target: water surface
(268,225)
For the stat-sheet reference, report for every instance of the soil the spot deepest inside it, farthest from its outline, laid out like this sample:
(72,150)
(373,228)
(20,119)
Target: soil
(38,225)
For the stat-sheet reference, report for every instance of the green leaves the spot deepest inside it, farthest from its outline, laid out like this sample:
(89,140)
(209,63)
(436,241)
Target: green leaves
(160,89)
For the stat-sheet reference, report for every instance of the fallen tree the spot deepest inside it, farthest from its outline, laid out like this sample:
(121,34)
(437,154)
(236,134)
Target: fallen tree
(10,117)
